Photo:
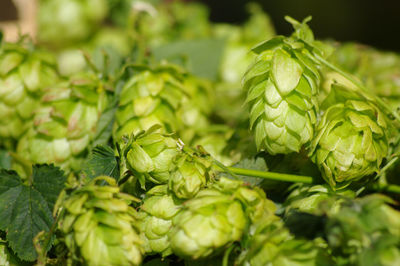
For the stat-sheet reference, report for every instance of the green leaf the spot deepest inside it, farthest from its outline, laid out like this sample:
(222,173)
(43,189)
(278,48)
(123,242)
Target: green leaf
(5,159)
(102,161)
(49,181)
(201,57)
(26,210)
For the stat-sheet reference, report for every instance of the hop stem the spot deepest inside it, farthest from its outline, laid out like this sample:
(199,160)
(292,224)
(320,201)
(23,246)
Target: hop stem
(272,175)
(300,178)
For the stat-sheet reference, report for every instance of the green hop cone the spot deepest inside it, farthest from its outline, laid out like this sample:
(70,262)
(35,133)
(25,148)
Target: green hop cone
(63,22)
(99,226)
(149,155)
(151,96)
(365,231)
(24,75)
(273,245)
(307,198)
(155,219)
(190,172)
(282,86)
(352,139)
(207,224)
(66,123)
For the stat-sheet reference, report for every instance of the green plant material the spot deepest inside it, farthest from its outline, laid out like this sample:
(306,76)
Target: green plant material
(99,225)
(101,161)
(365,228)
(26,208)
(214,140)
(352,138)
(24,75)
(148,155)
(64,22)
(155,219)
(7,258)
(207,224)
(165,22)
(5,160)
(201,57)
(378,70)
(66,123)
(217,217)
(282,87)
(164,95)
(239,40)
(307,198)
(273,245)
(189,173)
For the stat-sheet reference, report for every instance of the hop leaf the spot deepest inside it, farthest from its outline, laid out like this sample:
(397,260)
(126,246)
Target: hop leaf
(26,210)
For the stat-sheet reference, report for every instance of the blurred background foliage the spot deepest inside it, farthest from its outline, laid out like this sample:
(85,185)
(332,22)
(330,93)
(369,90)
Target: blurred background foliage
(376,23)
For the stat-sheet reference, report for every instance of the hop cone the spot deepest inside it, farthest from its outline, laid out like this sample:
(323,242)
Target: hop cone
(66,123)
(216,217)
(282,87)
(155,219)
(190,173)
(274,245)
(365,231)
(351,140)
(150,155)
(307,198)
(24,74)
(98,225)
(64,22)
(159,96)
(209,223)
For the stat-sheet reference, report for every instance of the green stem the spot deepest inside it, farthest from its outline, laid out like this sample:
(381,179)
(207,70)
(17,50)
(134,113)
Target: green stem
(300,179)
(357,83)
(272,175)
(386,188)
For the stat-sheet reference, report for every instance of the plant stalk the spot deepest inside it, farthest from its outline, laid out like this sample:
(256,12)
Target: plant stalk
(300,179)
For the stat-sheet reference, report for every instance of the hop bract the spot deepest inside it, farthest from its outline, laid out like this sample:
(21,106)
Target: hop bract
(208,224)
(189,174)
(282,86)
(66,123)
(351,142)
(161,95)
(150,155)
(155,219)
(98,225)
(24,76)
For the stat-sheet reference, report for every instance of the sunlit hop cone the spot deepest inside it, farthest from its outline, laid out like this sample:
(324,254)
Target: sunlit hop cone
(217,217)
(149,155)
(99,226)
(24,74)
(282,86)
(159,95)
(155,219)
(189,173)
(208,223)
(351,140)
(63,22)
(66,123)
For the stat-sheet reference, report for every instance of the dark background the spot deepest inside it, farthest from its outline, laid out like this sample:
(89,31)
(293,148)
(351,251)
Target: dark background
(376,23)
